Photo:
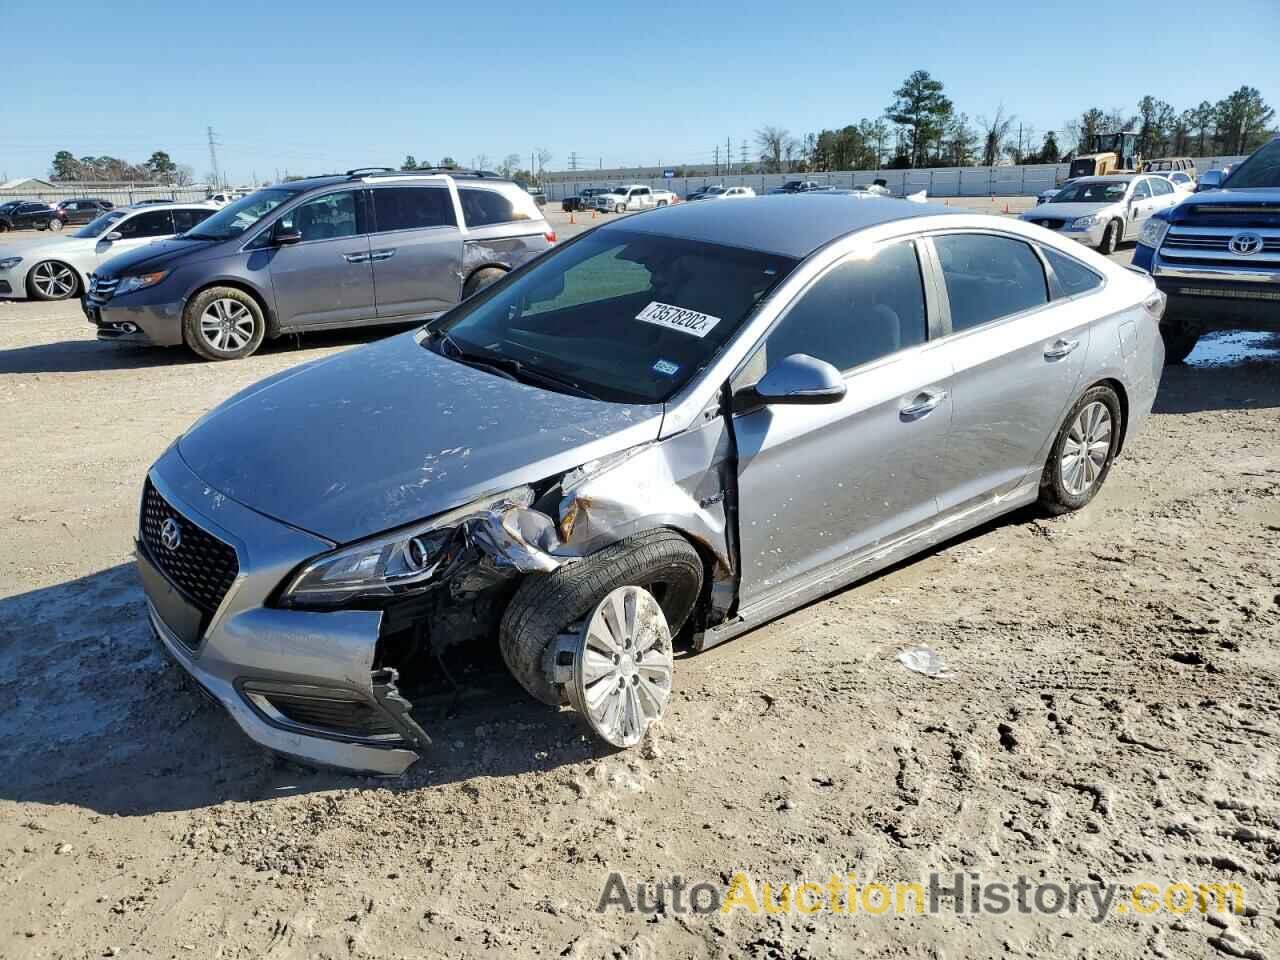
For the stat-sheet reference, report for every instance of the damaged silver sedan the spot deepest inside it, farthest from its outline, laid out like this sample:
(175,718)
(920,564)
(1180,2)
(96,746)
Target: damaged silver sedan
(670,429)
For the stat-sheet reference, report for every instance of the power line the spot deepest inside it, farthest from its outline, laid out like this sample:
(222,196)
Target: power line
(573,160)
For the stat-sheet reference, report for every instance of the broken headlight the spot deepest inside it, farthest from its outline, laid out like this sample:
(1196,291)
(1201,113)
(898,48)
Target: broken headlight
(391,564)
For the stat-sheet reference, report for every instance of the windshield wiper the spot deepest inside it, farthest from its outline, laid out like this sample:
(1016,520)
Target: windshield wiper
(509,368)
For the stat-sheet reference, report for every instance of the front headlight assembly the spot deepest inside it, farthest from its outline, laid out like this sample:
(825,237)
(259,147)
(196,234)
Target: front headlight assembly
(140,282)
(8,263)
(392,564)
(1153,232)
(1084,223)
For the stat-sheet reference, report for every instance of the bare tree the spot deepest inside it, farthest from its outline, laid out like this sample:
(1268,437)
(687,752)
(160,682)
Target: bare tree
(481,162)
(994,133)
(510,164)
(183,176)
(773,144)
(544,157)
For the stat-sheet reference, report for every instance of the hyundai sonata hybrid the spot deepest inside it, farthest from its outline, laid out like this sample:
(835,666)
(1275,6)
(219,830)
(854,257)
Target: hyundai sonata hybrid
(672,428)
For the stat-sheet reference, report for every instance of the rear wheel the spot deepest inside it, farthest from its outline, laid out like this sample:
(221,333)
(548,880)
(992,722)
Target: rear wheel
(54,224)
(52,280)
(481,279)
(662,203)
(618,208)
(1179,341)
(1083,451)
(223,323)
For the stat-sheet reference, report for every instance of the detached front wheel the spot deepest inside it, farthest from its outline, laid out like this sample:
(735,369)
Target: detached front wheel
(552,609)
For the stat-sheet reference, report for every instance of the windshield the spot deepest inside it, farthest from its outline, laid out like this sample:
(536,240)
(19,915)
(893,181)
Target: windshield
(235,219)
(96,228)
(1260,170)
(1109,191)
(626,317)
(715,189)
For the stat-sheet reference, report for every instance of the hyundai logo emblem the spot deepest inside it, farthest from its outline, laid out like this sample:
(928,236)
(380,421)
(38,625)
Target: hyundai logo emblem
(170,534)
(1245,244)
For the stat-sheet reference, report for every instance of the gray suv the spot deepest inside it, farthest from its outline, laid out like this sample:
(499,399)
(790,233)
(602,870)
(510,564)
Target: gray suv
(372,246)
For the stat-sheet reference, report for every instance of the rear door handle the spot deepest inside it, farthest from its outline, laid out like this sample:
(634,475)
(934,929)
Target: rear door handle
(1060,348)
(384,254)
(923,403)
(356,257)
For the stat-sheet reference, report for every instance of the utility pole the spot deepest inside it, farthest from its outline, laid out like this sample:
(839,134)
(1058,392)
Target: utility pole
(717,156)
(744,152)
(213,156)
(728,156)
(573,160)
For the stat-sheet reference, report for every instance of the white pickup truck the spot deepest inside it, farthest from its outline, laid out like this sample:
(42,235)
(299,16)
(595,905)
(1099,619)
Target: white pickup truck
(634,197)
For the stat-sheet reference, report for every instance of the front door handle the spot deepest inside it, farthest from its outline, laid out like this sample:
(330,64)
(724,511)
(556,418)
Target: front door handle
(384,254)
(1060,348)
(356,257)
(923,403)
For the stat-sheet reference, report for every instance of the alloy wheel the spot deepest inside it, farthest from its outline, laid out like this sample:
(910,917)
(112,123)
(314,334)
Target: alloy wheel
(54,281)
(622,666)
(1085,451)
(227,325)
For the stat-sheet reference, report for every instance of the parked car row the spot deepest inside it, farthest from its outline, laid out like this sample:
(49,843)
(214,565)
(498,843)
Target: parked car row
(721,366)
(1102,212)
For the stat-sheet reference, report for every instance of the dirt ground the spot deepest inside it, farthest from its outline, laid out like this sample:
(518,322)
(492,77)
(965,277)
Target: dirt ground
(1112,714)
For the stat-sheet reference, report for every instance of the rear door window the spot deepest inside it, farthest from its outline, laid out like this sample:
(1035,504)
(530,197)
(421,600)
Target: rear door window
(1161,186)
(989,277)
(153,223)
(412,208)
(184,220)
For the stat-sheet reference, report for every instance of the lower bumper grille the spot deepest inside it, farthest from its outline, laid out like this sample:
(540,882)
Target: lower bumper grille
(1051,224)
(201,566)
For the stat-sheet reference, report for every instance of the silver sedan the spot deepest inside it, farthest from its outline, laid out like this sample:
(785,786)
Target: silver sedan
(675,428)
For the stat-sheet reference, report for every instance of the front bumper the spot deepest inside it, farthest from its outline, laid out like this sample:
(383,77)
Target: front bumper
(1216,297)
(159,324)
(280,674)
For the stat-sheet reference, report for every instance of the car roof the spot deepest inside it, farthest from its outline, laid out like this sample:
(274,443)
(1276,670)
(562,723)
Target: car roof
(1110,178)
(793,226)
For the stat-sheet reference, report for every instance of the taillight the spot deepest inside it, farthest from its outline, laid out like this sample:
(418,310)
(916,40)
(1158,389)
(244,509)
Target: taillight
(550,236)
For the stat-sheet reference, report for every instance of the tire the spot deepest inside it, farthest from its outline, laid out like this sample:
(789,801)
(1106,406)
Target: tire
(4,227)
(52,280)
(54,225)
(662,561)
(1179,341)
(618,208)
(1110,238)
(662,203)
(481,279)
(223,323)
(1059,491)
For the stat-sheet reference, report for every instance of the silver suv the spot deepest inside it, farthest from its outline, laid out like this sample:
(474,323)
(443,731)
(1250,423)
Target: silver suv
(372,246)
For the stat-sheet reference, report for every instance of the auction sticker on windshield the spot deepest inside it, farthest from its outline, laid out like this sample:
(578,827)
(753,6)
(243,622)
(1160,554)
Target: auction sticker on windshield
(678,318)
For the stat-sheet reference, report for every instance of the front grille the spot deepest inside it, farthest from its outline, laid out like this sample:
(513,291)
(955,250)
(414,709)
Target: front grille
(353,718)
(4,287)
(202,567)
(101,288)
(1213,242)
(1051,224)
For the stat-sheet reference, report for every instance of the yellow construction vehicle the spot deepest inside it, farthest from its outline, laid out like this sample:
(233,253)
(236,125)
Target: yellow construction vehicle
(1110,153)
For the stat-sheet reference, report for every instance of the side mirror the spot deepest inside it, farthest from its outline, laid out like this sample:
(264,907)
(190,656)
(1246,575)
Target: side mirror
(114,235)
(798,378)
(284,236)
(1210,180)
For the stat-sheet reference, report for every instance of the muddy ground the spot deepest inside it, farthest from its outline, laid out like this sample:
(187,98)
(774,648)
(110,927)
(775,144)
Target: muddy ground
(1112,714)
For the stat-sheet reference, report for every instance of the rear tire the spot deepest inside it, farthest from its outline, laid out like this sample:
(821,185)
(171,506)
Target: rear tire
(661,561)
(481,279)
(223,323)
(1179,341)
(618,208)
(1083,451)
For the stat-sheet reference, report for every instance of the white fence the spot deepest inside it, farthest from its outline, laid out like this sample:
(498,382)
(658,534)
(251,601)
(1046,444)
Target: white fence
(1025,180)
(120,194)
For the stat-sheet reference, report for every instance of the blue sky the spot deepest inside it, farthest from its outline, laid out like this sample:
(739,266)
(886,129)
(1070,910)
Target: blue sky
(328,86)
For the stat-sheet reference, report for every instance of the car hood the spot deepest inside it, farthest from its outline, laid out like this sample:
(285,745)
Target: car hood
(25,246)
(391,433)
(152,255)
(1068,211)
(1203,204)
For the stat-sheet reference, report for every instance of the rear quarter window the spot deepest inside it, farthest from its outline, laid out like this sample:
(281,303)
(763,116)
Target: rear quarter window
(482,207)
(1074,278)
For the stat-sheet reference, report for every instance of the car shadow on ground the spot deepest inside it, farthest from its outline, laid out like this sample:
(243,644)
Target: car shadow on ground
(88,356)
(94,713)
(1228,370)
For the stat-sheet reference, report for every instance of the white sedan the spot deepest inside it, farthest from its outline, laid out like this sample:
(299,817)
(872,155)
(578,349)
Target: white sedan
(57,267)
(730,193)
